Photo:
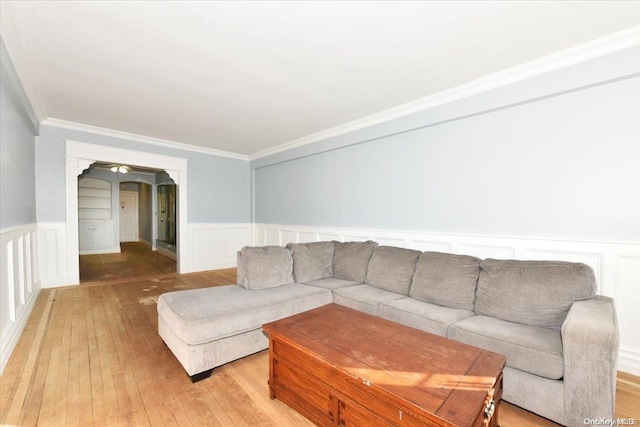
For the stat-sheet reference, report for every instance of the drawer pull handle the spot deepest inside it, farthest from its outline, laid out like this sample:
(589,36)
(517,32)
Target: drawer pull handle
(489,409)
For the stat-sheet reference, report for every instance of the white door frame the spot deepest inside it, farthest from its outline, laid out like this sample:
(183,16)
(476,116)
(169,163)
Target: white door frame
(80,155)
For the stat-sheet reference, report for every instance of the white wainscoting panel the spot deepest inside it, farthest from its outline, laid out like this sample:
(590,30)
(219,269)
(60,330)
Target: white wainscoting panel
(214,245)
(616,265)
(19,288)
(487,251)
(52,255)
(211,246)
(627,303)
(425,246)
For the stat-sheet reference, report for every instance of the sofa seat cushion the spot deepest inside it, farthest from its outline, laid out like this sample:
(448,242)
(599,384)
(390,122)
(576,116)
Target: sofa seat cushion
(444,279)
(312,261)
(351,259)
(332,283)
(198,316)
(363,297)
(262,267)
(528,348)
(422,315)
(392,269)
(536,293)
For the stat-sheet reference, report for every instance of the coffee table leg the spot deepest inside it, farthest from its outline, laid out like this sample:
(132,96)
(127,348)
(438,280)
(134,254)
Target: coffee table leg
(272,368)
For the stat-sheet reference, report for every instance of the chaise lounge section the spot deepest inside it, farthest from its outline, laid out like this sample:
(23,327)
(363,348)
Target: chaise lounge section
(208,327)
(560,339)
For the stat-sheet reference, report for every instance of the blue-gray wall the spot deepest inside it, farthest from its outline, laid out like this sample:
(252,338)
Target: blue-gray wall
(17,154)
(553,156)
(218,187)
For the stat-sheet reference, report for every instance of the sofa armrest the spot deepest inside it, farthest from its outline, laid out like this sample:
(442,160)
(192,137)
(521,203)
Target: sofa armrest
(590,342)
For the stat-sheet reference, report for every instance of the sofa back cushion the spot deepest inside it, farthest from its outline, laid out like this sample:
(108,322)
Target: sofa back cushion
(351,260)
(312,261)
(448,280)
(537,293)
(392,269)
(262,267)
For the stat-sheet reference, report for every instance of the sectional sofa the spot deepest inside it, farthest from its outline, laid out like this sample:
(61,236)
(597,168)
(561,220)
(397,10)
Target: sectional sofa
(560,339)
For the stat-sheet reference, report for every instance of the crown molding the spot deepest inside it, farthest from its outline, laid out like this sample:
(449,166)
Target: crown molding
(20,68)
(9,72)
(596,48)
(64,124)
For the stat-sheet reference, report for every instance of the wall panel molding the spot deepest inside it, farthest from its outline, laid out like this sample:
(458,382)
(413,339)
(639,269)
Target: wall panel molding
(214,245)
(616,264)
(18,284)
(211,246)
(52,255)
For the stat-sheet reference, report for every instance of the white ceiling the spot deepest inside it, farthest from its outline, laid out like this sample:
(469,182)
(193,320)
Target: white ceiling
(244,77)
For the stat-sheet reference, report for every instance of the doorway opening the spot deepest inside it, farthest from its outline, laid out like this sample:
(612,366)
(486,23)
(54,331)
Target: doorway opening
(166,208)
(80,156)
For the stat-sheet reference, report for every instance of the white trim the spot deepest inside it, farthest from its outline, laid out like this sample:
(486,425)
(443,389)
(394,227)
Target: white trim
(146,243)
(215,245)
(79,155)
(52,254)
(590,50)
(10,342)
(19,286)
(34,103)
(111,250)
(606,259)
(629,360)
(140,138)
(593,49)
(16,228)
(166,252)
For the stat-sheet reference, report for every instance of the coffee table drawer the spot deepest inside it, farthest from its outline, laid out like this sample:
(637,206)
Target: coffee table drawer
(304,387)
(376,409)
(350,414)
(294,384)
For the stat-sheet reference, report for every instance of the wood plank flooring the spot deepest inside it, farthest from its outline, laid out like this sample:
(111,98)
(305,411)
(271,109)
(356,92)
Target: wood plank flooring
(134,261)
(91,355)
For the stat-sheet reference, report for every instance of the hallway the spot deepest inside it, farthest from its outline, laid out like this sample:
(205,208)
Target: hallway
(135,261)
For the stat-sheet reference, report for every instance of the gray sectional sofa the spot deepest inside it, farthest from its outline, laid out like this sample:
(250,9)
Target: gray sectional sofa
(560,339)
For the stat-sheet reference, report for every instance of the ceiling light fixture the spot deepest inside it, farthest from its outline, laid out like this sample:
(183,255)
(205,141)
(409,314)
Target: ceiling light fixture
(120,168)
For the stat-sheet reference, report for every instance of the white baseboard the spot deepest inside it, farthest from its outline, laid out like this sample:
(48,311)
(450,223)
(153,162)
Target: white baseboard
(616,264)
(9,343)
(148,244)
(166,252)
(111,250)
(629,361)
(212,266)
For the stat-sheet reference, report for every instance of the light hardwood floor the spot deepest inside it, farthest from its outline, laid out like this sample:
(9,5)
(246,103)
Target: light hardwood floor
(91,355)
(135,260)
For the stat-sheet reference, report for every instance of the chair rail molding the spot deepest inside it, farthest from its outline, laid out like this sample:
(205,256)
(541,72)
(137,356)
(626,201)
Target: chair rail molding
(19,285)
(616,264)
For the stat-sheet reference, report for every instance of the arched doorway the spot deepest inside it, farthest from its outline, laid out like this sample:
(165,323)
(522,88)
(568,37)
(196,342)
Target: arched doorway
(80,155)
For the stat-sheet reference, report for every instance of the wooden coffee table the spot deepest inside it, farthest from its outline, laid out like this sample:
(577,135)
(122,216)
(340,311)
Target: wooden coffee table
(341,367)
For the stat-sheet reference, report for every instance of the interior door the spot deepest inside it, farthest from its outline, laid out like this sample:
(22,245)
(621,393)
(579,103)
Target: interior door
(128,216)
